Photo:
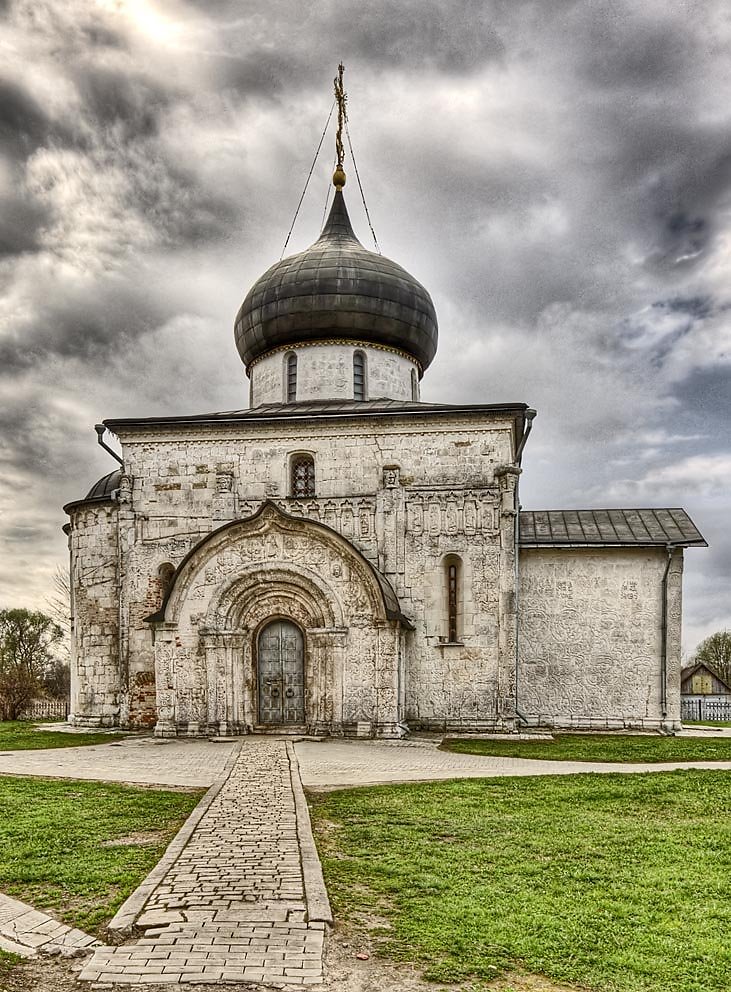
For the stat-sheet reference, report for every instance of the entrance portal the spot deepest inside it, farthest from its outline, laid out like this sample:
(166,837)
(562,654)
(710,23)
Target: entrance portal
(280,671)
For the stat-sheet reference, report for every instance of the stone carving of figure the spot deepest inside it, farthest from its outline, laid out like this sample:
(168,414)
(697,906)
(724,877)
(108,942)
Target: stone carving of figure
(124,494)
(391,477)
(224,483)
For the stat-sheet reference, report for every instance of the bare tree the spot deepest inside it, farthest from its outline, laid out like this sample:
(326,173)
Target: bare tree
(58,608)
(27,640)
(715,652)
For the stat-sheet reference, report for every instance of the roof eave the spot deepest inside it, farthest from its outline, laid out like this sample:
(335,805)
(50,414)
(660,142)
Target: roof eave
(659,545)
(513,409)
(95,500)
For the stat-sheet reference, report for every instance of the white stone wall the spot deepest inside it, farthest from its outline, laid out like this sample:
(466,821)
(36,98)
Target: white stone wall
(404,492)
(97,681)
(246,574)
(325,372)
(590,625)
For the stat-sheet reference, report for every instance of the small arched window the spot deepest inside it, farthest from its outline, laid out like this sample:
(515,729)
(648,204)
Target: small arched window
(302,476)
(291,377)
(165,577)
(453,583)
(414,386)
(359,383)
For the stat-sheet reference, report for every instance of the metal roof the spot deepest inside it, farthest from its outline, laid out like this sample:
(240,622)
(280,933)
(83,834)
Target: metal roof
(607,528)
(336,288)
(322,410)
(100,491)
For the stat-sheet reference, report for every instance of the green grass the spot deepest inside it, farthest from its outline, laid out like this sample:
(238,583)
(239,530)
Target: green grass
(615,882)
(57,849)
(601,747)
(20,735)
(707,723)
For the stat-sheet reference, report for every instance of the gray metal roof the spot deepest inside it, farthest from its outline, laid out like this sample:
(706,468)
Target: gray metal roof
(100,491)
(618,528)
(323,410)
(336,288)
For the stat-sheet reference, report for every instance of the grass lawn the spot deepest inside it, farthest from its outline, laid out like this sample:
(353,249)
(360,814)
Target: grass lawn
(602,747)
(79,848)
(615,882)
(22,735)
(707,723)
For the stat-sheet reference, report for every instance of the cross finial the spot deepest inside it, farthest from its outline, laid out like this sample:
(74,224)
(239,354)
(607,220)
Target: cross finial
(342,99)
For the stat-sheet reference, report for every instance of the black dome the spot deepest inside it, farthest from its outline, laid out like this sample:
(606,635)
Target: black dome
(336,288)
(104,488)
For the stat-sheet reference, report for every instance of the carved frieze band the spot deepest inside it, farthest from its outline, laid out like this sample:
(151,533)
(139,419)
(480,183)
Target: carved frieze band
(458,512)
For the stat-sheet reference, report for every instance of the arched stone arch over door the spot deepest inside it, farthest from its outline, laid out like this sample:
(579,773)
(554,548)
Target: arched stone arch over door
(280,674)
(267,568)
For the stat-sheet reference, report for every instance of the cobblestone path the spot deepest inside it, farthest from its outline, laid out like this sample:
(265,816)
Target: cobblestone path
(232,906)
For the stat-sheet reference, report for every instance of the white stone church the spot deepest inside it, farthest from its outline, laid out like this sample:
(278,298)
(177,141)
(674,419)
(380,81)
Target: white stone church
(343,559)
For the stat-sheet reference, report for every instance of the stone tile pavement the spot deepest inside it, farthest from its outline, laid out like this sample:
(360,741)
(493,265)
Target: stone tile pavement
(240,898)
(138,760)
(338,763)
(26,931)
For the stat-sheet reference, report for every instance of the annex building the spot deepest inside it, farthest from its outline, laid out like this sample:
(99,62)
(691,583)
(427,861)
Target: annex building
(342,558)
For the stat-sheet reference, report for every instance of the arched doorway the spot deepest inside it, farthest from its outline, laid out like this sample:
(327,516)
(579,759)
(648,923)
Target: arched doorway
(280,659)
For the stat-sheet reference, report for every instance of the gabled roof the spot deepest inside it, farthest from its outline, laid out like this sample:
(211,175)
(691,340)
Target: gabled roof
(687,673)
(608,528)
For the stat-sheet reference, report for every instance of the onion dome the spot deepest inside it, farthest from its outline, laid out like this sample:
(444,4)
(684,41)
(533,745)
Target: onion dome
(337,290)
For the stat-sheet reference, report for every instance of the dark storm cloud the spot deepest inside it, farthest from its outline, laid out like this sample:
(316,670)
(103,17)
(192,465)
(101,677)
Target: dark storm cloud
(92,326)
(112,97)
(21,221)
(23,123)
(704,396)
(448,38)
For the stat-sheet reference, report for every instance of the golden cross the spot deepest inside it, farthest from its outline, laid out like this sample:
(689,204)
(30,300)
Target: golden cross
(342,99)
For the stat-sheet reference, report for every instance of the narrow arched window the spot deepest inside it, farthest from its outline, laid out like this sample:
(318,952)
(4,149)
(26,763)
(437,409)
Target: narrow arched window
(165,577)
(303,476)
(359,384)
(291,377)
(414,386)
(453,582)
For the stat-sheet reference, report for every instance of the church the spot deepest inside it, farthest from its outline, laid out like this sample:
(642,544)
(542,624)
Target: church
(342,558)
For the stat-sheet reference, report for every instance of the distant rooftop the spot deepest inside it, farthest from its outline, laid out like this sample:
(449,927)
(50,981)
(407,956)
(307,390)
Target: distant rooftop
(606,528)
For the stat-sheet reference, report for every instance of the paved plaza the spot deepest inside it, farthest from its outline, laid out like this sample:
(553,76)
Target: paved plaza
(137,760)
(239,894)
(331,763)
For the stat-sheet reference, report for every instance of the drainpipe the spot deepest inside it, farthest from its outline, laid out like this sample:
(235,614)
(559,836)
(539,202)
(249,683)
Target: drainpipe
(529,417)
(670,548)
(100,429)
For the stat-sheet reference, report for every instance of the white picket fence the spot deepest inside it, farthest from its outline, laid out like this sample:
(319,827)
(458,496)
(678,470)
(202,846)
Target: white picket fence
(47,709)
(711,709)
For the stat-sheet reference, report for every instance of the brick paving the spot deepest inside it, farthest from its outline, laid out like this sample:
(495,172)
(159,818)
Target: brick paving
(27,931)
(233,906)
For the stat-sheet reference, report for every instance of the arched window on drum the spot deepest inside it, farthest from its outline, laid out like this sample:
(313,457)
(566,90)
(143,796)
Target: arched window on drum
(290,377)
(359,376)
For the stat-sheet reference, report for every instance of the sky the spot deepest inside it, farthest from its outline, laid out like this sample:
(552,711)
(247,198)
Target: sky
(557,175)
